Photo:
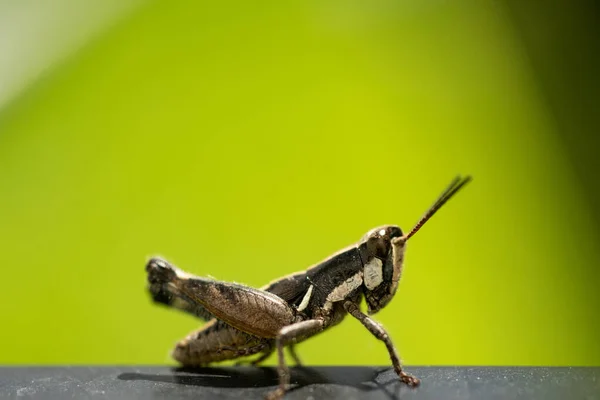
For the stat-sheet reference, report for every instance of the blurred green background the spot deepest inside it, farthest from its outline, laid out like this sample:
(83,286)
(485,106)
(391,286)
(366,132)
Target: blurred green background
(248,140)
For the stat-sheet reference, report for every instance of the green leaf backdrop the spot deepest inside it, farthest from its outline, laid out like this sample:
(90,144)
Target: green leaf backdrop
(248,140)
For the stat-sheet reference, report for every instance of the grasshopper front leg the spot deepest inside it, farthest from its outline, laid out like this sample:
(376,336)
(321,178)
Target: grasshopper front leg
(289,335)
(377,330)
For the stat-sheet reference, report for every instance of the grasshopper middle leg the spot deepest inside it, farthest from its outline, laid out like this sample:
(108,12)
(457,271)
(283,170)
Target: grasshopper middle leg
(257,361)
(289,335)
(292,350)
(266,354)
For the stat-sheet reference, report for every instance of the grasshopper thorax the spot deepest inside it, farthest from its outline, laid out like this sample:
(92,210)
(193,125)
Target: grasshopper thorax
(382,253)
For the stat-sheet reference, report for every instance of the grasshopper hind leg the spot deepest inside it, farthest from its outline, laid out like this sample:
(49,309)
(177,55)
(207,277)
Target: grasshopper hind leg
(163,285)
(215,342)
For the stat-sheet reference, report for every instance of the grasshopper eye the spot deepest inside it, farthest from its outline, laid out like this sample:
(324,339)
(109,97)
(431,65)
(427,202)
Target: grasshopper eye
(377,241)
(387,232)
(394,232)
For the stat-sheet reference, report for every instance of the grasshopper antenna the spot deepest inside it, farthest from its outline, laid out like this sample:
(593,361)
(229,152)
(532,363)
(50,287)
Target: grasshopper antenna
(456,184)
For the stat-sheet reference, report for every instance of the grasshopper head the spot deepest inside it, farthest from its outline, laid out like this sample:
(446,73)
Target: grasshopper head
(382,253)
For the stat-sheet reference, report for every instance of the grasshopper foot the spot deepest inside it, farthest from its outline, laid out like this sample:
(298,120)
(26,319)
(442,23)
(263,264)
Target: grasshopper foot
(409,379)
(276,394)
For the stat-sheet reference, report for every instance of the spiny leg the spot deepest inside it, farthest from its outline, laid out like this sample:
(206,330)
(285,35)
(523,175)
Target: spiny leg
(217,341)
(289,335)
(379,332)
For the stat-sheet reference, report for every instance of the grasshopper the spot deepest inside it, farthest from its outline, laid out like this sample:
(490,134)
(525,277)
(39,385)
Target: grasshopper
(244,321)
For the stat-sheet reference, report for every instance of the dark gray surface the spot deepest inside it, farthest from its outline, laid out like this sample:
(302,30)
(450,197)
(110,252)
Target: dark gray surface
(310,383)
